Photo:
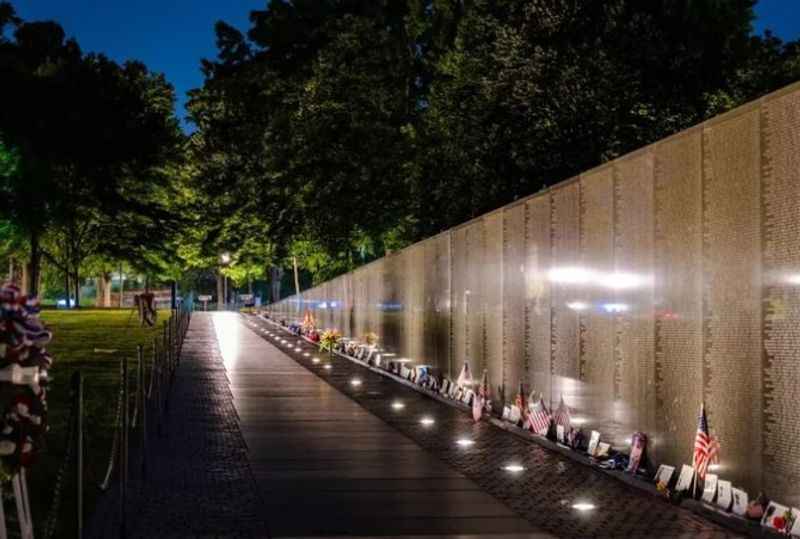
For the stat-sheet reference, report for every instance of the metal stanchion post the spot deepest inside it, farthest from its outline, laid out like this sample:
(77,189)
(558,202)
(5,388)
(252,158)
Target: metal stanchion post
(77,381)
(142,397)
(123,469)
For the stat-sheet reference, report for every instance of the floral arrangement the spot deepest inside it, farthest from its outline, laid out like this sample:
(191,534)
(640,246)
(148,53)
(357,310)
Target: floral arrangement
(371,339)
(784,522)
(329,338)
(24,363)
(308,321)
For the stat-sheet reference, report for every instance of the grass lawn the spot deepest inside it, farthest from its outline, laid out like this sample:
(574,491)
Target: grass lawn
(81,341)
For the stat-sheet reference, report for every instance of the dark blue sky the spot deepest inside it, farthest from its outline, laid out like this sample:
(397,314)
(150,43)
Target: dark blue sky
(172,35)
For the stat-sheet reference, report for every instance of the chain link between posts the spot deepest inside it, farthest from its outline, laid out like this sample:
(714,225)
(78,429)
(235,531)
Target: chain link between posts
(149,395)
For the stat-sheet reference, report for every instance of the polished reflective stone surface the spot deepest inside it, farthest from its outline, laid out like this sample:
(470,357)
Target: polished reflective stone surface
(638,290)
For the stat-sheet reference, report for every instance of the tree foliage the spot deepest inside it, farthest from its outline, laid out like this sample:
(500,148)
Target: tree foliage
(338,129)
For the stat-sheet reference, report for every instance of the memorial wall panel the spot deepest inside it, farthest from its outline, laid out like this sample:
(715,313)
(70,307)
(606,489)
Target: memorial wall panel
(515,367)
(732,291)
(474,302)
(415,301)
(664,279)
(458,298)
(596,397)
(492,284)
(436,322)
(537,295)
(678,287)
(391,334)
(781,207)
(634,351)
(565,242)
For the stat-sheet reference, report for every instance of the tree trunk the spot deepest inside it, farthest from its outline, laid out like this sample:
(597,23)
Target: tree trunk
(66,287)
(25,278)
(77,282)
(276,274)
(103,297)
(121,288)
(32,287)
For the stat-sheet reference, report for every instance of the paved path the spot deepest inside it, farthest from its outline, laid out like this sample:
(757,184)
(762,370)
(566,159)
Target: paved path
(326,466)
(261,442)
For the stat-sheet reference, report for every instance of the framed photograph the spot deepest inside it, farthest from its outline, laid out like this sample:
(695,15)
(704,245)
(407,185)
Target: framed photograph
(664,474)
(685,478)
(710,488)
(724,494)
(740,501)
(593,441)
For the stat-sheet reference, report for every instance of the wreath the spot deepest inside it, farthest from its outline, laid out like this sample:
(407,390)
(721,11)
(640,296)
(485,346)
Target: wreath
(24,363)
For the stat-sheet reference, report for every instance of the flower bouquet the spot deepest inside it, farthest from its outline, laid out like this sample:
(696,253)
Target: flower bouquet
(328,339)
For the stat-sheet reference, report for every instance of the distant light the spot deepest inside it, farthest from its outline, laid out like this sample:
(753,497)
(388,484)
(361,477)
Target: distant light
(397,405)
(333,304)
(616,307)
(225,258)
(323,305)
(465,442)
(355,382)
(427,421)
(578,306)
(514,468)
(328,367)
(583,506)
(315,360)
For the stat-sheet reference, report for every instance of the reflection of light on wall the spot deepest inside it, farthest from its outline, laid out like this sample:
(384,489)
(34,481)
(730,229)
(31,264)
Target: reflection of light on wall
(323,305)
(578,305)
(615,307)
(578,421)
(617,280)
(793,279)
(570,275)
(333,304)
(622,281)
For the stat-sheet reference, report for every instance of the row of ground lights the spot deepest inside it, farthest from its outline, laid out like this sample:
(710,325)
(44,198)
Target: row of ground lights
(428,421)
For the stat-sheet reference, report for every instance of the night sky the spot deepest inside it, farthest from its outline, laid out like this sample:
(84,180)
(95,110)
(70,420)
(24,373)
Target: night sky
(172,36)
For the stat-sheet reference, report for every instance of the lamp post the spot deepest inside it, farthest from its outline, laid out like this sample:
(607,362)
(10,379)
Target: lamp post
(225,260)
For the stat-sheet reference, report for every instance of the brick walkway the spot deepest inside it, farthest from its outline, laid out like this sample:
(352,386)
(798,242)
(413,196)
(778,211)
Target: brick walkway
(264,443)
(199,478)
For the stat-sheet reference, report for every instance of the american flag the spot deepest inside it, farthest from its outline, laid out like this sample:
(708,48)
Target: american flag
(540,418)
(479,401)
(562,416)
(523,408)
(706,447)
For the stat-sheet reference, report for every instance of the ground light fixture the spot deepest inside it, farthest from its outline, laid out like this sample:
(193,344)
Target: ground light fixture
(583,506)
(397,405)
(465,442)
(328,367)
(306,354)
(514,468)
(355,382)
(315,360)
(426,421)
